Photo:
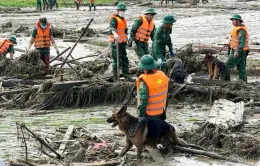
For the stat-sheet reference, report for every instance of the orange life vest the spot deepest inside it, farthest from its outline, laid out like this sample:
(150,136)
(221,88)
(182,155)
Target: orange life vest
(43,36)
(77,1)
(120,29)
(234,41)
(157,84)
(144,31)
(91,1)
(4,46)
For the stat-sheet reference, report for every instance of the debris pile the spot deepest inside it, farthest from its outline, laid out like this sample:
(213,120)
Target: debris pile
(67,145)
(28,65)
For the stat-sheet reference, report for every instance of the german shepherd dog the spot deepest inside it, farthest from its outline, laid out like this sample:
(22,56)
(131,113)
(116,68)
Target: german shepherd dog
(216,67)
(144,131)
(177,72)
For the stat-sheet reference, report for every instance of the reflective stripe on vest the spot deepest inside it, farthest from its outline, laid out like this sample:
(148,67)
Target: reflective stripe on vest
(144,31)
(120,30)
(234,41)
(157,84)
(43,36)
(4,46)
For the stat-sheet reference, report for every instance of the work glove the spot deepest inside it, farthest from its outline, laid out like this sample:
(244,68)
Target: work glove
(159,61)
(129,44)
(171,53)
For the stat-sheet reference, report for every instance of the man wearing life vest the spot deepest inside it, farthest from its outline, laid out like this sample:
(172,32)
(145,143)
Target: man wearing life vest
(162,39)
(42,38)
(142,29)
(118,35)
(152,89)
(7,46)
(238,47)
(92,4)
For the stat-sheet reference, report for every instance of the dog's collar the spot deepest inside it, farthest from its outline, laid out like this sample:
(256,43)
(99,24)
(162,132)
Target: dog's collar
(133,128)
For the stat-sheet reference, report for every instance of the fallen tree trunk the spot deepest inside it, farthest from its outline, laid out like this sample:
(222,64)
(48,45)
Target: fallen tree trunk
(204,153)
(17,82)
(17,91)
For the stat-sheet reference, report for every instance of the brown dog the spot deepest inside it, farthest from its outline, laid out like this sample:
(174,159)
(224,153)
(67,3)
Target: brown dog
(216,68)
(144,131)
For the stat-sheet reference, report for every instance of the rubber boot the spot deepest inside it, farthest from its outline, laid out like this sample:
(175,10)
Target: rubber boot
(94,8)
(89,7)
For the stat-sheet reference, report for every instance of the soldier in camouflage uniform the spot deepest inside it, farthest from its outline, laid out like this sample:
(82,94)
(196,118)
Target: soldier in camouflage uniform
(142,29)
(118,35)
(238,47)
(162,39)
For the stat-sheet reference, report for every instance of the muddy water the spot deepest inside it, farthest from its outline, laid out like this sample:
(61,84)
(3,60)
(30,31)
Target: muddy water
(182,116)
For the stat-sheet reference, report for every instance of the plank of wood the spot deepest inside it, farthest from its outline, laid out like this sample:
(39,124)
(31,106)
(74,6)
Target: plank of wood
(156,155)
(66,137)
(101,163)
(208,81)
(222,48)
(133,154)
(68,84)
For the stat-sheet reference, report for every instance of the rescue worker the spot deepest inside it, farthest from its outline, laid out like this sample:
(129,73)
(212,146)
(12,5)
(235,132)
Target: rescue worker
(39,5)
(152,89)
(142,29)
(42,38)
(92,4)
(238,47)
(162,39)
(118,35)
(7,46)
(77,2)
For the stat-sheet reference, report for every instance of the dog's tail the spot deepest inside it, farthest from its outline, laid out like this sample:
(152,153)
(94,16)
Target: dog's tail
(175,139)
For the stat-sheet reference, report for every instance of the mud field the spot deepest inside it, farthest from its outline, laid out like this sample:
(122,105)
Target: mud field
(201,24)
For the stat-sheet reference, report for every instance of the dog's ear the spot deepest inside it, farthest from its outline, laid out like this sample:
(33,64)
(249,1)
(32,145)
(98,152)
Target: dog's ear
(122,111)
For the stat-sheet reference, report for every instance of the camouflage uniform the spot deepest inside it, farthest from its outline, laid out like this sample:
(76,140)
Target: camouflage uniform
(162,39)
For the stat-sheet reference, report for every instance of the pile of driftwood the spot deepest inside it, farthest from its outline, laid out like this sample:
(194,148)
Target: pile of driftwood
(226,130)
(67,145)
(52,95)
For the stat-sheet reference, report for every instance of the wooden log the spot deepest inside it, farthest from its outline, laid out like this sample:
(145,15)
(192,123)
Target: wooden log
(17,91)
(252,48)
(68,84)
(208,81)
(156,155)
(133,154)
(204,153)
(98,163)
(226,114)
(66,137)
(74,40)
(16,82)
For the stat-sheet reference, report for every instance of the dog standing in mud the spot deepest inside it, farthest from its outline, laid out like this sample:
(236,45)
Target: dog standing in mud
(216,67)
(177,71)
(144,131)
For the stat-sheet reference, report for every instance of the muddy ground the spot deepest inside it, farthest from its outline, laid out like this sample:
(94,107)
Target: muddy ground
(204,24)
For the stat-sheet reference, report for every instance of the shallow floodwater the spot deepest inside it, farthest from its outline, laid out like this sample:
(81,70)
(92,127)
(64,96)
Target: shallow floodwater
(94,118)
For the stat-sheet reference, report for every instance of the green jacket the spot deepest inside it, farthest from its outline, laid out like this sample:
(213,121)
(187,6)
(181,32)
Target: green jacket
(162,38)
(137,23)
(242,40)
